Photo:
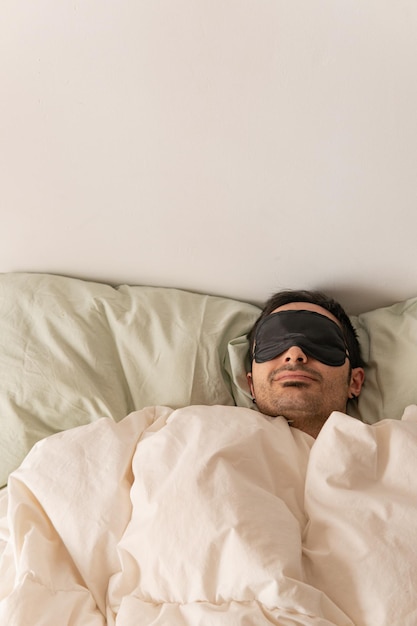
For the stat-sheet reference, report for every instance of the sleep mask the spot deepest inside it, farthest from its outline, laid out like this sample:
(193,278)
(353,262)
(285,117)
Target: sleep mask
(317,335)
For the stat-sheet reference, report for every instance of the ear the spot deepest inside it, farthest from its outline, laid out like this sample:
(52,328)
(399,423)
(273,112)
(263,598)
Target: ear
(356,381)
(250,383)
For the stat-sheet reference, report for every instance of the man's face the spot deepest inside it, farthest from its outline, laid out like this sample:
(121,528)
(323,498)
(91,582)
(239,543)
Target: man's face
(301,388)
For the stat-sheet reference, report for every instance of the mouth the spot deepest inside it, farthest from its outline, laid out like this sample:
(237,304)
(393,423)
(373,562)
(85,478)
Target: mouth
(294,376)
(288,376)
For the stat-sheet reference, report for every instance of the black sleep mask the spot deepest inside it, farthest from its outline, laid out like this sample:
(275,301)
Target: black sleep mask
(317,335)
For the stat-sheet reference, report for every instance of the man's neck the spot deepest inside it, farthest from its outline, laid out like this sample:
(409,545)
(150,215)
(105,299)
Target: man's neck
(311,426)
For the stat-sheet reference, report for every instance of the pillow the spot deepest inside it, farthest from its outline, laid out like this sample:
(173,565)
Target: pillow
(72,351)
(388,338)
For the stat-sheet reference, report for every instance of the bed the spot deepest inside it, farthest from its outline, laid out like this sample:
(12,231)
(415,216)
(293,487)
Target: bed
(144,487)
(166,167)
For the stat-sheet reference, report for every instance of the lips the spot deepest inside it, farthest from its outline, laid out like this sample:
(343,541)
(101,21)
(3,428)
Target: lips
(298,375)
(293,376)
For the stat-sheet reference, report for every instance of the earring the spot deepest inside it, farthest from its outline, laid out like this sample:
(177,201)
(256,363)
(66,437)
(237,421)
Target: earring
(254,400)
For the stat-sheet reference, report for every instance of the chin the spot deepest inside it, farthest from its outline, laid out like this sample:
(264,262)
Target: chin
(295,409)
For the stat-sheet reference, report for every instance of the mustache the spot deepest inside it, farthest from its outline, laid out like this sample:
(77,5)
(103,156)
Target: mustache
(295,368)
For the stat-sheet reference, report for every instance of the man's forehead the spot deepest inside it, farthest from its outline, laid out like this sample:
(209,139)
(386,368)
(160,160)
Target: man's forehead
(307,306)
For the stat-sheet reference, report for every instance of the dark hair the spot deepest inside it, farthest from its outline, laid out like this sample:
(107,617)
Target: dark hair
(321,299)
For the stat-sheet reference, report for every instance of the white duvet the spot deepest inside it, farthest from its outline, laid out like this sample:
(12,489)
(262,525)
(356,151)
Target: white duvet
(213,516)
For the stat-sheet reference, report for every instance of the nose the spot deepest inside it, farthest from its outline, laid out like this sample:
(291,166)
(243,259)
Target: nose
(295,355)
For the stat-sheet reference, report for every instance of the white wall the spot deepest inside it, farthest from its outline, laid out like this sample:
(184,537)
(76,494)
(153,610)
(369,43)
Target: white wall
(227,146)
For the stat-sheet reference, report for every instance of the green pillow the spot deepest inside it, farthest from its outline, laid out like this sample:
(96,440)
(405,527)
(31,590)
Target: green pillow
(72,351)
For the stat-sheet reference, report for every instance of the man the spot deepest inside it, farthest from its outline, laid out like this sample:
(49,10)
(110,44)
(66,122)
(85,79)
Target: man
(306,360)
